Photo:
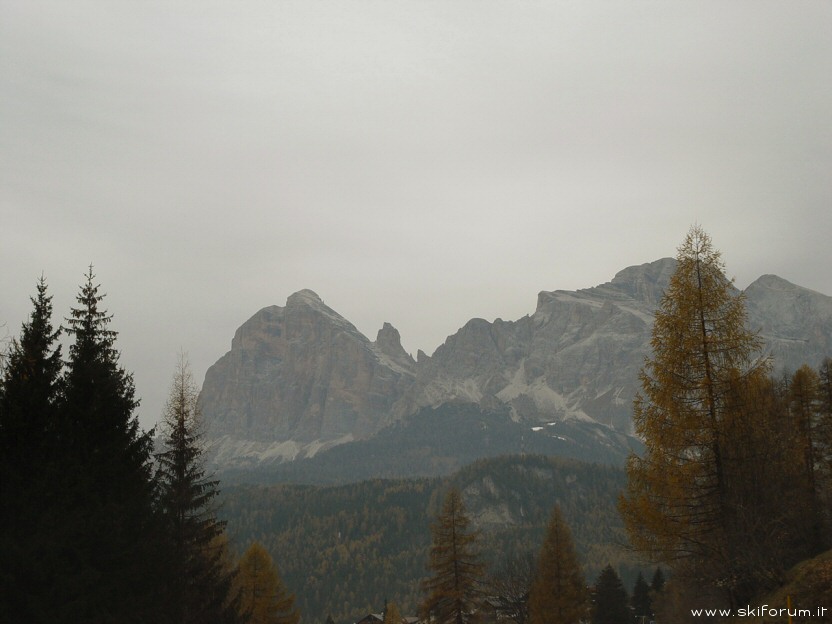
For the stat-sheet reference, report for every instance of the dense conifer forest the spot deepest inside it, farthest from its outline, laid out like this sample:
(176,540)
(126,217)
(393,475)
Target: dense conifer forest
(344,549)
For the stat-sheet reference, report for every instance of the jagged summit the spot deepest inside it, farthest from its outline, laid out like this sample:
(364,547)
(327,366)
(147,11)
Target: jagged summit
(309,300)
(305,295)
(299,378)
(389,345)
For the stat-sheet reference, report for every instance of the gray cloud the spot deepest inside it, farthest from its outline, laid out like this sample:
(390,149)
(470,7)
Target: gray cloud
(413,162)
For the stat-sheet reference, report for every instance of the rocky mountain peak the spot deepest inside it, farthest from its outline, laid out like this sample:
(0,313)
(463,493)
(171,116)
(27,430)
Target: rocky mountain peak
(306,304)
(389,343)
(302,375)
(642,285)
(773,282)
(305,296)
(646,282)
(794,321)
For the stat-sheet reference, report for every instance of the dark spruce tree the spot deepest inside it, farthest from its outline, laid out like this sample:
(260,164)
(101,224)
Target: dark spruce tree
(29,386)
(611,603)
(116,535)
(30,530)
(201,590)
(641,601)
(657,582)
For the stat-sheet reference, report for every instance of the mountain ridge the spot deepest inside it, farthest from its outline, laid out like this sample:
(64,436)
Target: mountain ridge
(301,379)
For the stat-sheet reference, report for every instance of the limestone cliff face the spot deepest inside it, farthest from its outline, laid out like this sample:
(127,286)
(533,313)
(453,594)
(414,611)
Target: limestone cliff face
(795,322)
(303,373)
(301,378)
(577,356)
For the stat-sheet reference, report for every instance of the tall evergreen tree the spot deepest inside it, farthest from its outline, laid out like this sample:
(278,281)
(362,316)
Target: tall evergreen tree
(677,506)
(109,495)
(610,599)
(265,599)
(201,590)
(30,535)
(641,601)
(558,594)
(99,400)
(29,387)
(657,582)
(453,592)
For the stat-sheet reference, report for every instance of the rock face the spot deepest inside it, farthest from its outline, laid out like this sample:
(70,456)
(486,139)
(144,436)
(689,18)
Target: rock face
(301,378)
(795,322)
(576,357)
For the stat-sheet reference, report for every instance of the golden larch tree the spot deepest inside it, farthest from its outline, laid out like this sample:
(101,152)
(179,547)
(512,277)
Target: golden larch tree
(264,598)
(677,507)
(558,594)
(453,593)
(392,615)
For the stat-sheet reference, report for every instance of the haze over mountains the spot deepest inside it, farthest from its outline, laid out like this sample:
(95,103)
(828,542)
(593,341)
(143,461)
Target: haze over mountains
(301,379)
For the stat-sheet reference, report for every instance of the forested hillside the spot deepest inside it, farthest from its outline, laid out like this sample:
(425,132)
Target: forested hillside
(436,442)
(346,549)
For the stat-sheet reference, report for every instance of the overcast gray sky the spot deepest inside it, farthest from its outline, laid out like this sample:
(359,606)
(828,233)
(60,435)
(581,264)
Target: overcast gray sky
(420,163)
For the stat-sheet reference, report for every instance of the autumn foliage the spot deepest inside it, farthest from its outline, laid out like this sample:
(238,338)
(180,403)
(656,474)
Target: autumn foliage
(558,594)
(453,592)
(265,599)
(725,445)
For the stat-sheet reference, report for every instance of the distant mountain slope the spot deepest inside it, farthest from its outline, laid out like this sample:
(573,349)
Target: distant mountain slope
(301,379)
(795,322)
(346,549)
(438,441)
